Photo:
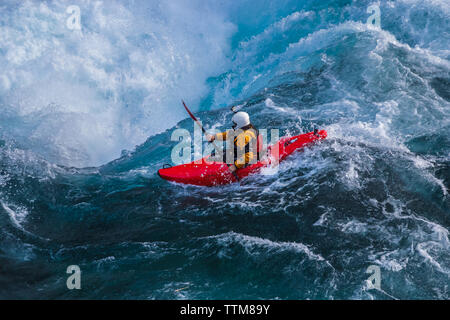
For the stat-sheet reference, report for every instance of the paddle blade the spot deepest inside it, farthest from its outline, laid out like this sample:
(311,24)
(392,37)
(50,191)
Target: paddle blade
(188,111)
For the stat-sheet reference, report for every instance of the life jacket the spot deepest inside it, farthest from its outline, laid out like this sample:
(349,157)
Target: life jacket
(255,140)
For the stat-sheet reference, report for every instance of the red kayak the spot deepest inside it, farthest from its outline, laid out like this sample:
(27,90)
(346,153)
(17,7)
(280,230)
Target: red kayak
(206,173)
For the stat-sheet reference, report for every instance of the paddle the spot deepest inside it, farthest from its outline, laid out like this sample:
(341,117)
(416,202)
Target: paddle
(204,131)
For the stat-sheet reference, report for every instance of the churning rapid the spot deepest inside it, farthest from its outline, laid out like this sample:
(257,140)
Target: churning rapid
(86,121)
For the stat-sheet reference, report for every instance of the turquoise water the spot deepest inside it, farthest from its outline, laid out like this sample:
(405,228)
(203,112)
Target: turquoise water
(87,118)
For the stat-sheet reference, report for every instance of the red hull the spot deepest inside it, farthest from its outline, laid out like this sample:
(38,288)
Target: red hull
(205,173)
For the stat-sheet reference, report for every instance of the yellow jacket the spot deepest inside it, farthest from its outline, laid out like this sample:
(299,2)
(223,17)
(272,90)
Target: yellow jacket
(245,145)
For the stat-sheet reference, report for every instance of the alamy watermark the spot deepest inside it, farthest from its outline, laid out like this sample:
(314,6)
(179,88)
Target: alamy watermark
(74,20)
(375,18)
(374,281)
(74,280)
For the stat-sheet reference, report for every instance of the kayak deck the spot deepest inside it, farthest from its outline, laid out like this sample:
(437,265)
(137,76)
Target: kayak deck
(207,173)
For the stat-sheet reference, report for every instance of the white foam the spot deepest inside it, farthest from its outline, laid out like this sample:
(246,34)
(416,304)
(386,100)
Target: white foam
(251,244)
(17,216)
(90,94)
(423,249)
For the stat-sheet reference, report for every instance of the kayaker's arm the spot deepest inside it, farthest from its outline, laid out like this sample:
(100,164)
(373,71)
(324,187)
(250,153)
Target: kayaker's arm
(219,136)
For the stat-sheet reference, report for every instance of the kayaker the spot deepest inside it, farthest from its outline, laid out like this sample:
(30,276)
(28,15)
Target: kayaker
(246,144)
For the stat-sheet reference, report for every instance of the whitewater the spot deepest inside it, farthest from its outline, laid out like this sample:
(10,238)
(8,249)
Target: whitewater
(87,115)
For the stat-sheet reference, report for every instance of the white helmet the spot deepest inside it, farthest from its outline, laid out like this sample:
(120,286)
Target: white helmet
(241,119)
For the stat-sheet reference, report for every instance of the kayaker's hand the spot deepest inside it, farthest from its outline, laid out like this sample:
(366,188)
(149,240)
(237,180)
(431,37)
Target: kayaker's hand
(210,137)
(232,168)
